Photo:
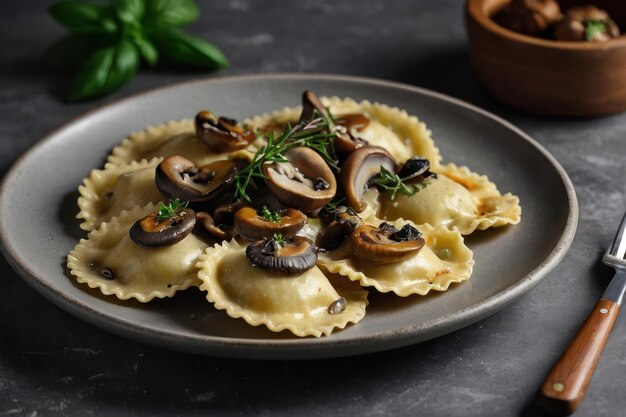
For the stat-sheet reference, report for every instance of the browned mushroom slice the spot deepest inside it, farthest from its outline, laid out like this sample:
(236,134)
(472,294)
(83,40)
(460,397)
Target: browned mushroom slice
(385,244)
(355,121)
(204,221)
(359,168)
(346,221)
(305,182)
(225,213)
(286,257)
(221,134)
(312,107)
(156,230)
(255,225)
(178,177)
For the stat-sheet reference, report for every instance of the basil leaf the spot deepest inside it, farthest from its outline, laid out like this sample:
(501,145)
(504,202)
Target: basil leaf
(105,71)
(147,49)
(78,16)
(164,13)
(181,47)
(129,11)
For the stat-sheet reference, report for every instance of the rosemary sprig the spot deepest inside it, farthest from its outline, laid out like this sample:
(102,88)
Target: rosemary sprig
(169,211)
(332,206)
(392,182)
(312,134)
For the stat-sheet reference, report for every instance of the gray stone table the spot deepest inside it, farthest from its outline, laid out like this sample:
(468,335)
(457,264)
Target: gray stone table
(52,363)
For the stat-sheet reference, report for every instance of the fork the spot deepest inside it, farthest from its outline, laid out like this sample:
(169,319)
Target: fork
(567,382)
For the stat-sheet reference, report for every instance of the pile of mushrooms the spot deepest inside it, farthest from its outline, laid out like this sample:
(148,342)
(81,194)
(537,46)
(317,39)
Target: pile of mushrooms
(543,18)
(300,185)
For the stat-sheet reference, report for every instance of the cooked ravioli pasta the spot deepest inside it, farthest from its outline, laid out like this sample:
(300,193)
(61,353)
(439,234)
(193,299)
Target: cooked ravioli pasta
(421,273)
(134,271)
(299,304)
(168,251)
(390,127)
(173,138)
(116,188)
(458,199)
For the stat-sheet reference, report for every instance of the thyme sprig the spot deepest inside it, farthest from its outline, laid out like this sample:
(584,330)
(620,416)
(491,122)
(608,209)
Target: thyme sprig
(279,239)
(270,216)
(332,206)
(313,134)
(170,210)
(392,182)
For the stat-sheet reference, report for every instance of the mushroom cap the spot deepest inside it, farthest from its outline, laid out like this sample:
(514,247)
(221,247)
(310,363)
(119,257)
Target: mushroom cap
(221,134)
(311,104)
(252,226)
(296,256)
(373,244)
(151,232)
(178,177)
(206,224)
(414,167)
(346,222)
(297,187)
(359,168)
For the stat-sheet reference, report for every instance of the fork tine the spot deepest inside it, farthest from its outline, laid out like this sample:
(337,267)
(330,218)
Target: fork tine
(618,247)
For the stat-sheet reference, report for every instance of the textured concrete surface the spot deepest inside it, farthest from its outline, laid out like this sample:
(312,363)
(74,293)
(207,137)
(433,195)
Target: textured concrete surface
(54,364)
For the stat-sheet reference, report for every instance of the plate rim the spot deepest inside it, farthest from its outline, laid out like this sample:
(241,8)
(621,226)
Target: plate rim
(307,348)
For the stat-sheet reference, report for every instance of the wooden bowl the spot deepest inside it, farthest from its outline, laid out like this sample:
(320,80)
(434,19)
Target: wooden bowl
(545,76)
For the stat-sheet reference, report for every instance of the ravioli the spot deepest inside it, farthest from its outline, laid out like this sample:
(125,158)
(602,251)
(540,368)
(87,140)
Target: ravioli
(390,127)
(425,271)
(458,199)
(134,271)
(116,188)
(299,304)
(173,138)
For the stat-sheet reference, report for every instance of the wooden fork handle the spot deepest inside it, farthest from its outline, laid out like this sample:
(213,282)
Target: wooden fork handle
(566,384)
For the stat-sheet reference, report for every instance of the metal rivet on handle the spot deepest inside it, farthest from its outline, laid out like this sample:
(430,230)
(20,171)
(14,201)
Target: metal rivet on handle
(604,310)
(558,387)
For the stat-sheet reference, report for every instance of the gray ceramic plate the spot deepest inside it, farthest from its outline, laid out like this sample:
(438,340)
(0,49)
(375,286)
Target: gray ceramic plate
(42,185)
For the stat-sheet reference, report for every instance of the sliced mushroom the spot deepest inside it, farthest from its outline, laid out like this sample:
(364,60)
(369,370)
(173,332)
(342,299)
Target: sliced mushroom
(251,224)
(221,134)
(155,232)
(359,168)
(414,167)
(346,221)
(355,121)
(204,222)
(310,106)
(305,182)
(225,213)
(178,177)
(385,244)
(345,142)
(292,257)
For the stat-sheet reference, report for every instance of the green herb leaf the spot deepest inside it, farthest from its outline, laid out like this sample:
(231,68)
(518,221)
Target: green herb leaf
(168,211)
(270,216)
(167,13)
(129,11)
(593,28)
(332,206)
(147,49)
(392,182)
(278,238)
(181,47)
(105,71)
(310,134)
(79,16)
